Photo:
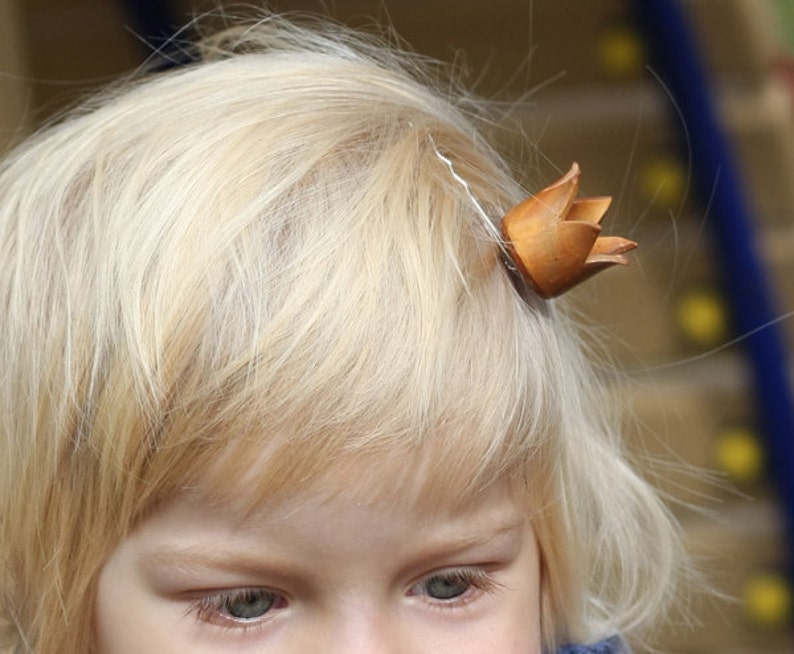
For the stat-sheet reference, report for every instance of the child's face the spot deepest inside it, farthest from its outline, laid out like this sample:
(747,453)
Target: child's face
(324,575)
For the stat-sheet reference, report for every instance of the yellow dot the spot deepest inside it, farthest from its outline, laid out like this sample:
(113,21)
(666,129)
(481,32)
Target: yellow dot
(767,599)
(738,452)
(702,317)
(663,183)
(621,51)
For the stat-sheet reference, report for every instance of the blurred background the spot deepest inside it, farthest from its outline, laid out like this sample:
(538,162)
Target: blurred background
(682,111)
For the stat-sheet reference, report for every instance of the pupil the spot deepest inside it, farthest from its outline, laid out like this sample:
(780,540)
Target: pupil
(249,605)
(447,587)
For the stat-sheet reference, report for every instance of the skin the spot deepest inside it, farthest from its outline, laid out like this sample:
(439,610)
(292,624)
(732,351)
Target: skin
(324,575)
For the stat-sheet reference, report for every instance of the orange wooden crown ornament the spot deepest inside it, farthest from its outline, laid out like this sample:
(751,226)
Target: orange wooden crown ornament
(553,238)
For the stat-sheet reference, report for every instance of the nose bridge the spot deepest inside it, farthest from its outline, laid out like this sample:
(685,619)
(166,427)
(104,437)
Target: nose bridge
(364,628)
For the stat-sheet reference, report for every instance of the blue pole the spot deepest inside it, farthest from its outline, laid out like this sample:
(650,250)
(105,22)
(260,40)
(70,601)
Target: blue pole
(155,22)
(677,61)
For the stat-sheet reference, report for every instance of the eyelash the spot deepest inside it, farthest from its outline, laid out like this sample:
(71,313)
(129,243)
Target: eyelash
(477,580)
(214,609)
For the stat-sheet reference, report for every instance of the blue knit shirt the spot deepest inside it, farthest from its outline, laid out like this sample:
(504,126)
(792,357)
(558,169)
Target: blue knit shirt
(614,645)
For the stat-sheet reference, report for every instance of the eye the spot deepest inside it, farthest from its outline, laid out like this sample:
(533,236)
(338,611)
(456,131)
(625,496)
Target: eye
(239,606)
(453,584)
(249,604)
(447,586)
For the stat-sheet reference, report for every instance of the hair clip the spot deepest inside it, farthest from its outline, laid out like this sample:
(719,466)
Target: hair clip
(553,238)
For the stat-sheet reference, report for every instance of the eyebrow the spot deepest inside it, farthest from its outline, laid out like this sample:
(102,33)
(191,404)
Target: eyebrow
(454,541)
(195,556)
(201,557)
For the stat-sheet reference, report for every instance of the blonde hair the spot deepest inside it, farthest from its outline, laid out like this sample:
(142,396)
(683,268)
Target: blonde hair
(257,272)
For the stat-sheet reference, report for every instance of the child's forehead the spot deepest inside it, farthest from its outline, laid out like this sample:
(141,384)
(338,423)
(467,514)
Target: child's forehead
(347,501)
(297,533)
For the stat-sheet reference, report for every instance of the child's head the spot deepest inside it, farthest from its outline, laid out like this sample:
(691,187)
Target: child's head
(253,283)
